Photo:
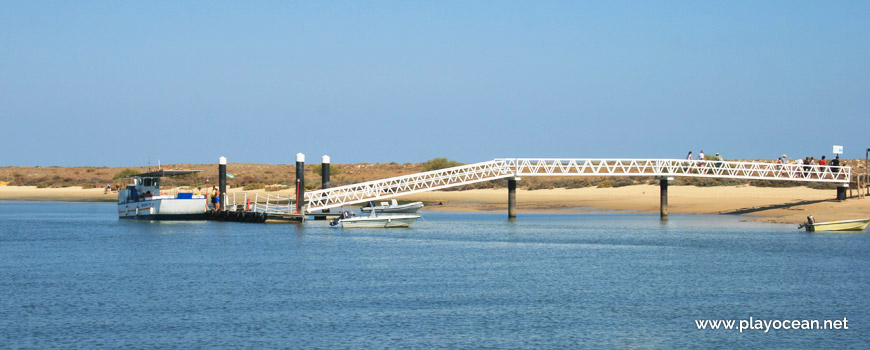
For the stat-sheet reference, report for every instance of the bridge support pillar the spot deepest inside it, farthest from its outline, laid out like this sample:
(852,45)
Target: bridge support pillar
(841,192)
(300,182)
(512,197)
(663,200)
(324,182)
(222,182)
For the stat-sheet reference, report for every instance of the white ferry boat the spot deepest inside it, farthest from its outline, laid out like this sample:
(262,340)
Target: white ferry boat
(143,199)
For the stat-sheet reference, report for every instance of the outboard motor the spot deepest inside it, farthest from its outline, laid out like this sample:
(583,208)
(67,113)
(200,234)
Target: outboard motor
(338,219)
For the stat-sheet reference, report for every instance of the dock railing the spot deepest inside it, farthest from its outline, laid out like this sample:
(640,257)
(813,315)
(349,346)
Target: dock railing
(267,203)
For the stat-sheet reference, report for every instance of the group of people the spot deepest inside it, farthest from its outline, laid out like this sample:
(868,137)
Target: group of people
(806,164)
(702,158)
(810,161)
(215,196)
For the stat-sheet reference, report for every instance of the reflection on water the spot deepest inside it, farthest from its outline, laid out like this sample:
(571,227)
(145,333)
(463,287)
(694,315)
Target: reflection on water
(73,275)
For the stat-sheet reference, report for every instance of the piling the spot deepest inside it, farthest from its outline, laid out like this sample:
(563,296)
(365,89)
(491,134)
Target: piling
(512,197)
(222,182)
(841,192)
(663,200)
(300,182)
(324,182)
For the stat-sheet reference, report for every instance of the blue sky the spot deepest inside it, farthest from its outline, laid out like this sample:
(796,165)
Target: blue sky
(116,83)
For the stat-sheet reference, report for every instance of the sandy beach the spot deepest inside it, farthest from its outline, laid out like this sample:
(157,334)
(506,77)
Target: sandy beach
(783,205)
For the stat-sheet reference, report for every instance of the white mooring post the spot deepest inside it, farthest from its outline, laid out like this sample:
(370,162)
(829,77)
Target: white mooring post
(222,182)
(324,181)
(512,197)
(300,182)
(663,203)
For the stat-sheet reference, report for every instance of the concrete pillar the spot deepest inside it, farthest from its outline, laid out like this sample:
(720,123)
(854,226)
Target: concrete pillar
(512,197)
(841,192)
(663,200)
(222,182)
(300,182)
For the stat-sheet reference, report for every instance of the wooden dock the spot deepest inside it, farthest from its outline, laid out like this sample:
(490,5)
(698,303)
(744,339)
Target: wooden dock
(252,216)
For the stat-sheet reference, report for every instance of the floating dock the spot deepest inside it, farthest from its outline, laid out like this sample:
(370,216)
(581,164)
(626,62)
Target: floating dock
(252,216)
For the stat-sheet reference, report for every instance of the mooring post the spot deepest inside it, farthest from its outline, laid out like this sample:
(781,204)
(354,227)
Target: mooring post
(300,181)
(512,197)
(841,191)
(324,182)
(663,202)
(324,175)
(222,182)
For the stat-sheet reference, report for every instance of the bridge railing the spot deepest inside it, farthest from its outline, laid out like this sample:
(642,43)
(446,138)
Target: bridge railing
(407,184)
(676,167)
(511,167)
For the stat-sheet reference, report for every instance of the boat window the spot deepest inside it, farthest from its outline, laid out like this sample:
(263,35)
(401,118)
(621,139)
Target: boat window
(156,182)
(147,182)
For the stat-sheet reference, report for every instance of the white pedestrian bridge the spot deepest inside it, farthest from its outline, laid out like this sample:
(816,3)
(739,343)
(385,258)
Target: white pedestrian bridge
(502,168)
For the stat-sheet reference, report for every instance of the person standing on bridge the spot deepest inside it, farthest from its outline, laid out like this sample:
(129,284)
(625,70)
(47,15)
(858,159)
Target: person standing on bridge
(835,164)
(779,167)
(701,158)
(688,160)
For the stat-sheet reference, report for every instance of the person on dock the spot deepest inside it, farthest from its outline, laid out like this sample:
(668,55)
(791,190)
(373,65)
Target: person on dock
(215,198)
(108,189)
(197,191)
(719,160)
(701,158)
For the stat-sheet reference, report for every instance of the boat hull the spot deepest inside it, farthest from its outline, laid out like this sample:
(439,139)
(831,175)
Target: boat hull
(380,221)
(163,209)
(845,225)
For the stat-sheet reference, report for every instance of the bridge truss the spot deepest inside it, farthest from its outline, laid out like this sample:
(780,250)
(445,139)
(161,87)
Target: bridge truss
(515,167)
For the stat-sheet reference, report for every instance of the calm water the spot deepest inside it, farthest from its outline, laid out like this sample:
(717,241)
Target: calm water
(74,276)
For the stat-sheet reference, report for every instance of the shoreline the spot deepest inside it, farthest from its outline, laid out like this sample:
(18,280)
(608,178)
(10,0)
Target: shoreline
(763,204)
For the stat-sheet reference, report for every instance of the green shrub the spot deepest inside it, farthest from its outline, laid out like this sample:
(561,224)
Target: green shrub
(334,169)
(254,186)
(606,184)
(273,188)
(125,173)
(439,163)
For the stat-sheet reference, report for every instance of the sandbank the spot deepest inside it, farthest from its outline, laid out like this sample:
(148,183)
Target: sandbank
(782,205)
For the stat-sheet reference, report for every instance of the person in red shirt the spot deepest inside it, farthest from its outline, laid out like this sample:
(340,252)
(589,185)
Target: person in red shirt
(822,161)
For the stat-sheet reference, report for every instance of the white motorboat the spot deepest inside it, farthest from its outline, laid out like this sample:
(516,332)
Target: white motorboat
(348,220)
(143,199)
(393,207)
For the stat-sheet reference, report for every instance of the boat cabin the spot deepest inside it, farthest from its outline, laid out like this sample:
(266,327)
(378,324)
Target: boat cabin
(146,186)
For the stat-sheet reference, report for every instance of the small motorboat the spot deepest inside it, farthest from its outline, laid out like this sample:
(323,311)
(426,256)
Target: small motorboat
(349,220)
(393,207)
(842,225)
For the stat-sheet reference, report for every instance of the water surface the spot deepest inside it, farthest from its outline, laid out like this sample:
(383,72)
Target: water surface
(73,275)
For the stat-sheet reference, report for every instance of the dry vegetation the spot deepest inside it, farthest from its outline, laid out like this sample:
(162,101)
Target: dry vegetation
(276,177)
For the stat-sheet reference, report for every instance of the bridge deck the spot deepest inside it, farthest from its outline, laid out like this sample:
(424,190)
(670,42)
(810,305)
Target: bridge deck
(514,167)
